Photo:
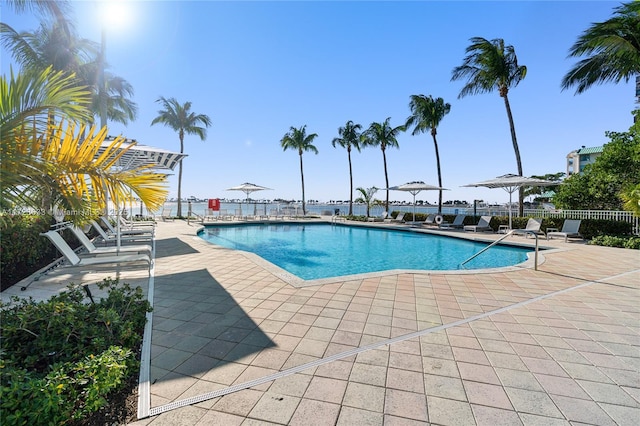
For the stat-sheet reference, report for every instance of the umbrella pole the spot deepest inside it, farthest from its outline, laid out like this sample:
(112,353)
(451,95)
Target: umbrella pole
(414,209)
(510,195)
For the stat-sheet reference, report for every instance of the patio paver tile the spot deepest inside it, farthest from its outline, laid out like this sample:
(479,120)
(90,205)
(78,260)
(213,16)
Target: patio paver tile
(326,389)
(363,396)
(406,404)
(350,416)
(445,411)
(274,407)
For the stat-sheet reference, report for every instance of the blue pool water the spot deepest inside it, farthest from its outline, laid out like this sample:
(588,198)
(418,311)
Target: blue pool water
(313,251)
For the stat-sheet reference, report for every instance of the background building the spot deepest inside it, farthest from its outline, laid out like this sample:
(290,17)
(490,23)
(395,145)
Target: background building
(577,159)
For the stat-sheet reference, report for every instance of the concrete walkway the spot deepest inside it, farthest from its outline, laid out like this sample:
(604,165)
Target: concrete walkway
(233,343)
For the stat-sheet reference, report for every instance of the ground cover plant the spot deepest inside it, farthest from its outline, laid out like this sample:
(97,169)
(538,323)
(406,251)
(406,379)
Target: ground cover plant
(63,359)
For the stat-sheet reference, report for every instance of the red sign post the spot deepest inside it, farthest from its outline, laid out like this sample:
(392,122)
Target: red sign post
(214,204)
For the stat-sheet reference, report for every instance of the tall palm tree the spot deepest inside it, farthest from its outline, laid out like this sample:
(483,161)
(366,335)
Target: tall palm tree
(426,114)
(53,44)
(180,118)
(35,155)
(297,139)
(383,135)
(612,48)
(490,65)
(350,138)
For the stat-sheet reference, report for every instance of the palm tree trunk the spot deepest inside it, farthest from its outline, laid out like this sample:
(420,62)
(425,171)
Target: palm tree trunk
(180,177)
(517,152)
(350,184)
(386,179)
(435,143)
(304,208)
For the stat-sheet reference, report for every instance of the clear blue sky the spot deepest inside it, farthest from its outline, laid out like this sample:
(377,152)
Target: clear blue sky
(258,68)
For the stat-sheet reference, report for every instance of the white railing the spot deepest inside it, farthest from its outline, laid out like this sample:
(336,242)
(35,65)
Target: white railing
(588,214)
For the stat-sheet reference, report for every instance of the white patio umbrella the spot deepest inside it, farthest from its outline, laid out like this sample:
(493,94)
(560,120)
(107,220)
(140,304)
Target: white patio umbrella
(511,183)
(248,188)
(414,188)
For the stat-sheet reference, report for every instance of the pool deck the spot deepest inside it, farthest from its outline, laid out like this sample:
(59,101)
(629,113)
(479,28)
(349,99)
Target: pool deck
(232,342)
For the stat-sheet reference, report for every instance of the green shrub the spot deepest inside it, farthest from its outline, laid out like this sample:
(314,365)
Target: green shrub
(22,249)
(614,241)
(61,357)
(70,390)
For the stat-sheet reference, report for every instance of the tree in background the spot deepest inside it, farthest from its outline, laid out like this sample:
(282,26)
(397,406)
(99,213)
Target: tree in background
(539,190)
(366,197)
(55,44)
(297,139)
(426,114)
(383,135)
(180,118)
(349,138)
(612,48)
(602,184)
(490,65)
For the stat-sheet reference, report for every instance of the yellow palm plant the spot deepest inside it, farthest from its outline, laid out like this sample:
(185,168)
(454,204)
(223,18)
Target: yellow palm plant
(82,171)
(38,156)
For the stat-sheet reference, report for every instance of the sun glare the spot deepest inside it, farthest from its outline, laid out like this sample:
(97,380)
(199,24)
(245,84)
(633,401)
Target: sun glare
(116,14)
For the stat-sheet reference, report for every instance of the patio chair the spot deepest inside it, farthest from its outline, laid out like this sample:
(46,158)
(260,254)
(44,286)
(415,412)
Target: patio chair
(134,224)
(114,231)
(75,260)
(110,237)
(457,223)
(166,214)
(209,216)
(380,218)
(92,249)
(430,220)
(570,228)
(398,219)
(482,225)
(533,226)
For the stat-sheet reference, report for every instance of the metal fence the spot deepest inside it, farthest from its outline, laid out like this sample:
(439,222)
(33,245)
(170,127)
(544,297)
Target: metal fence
(588,214)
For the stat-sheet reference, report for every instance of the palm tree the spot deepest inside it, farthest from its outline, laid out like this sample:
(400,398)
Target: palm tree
(350,137)
(36,155)
(366,197)
(180,118)
(298,139)
(427,113)
(490,65)
(56,45)
(612,49)
(383,135)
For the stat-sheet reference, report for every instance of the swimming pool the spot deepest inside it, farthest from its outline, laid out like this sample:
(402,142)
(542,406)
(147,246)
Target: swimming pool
(314,251)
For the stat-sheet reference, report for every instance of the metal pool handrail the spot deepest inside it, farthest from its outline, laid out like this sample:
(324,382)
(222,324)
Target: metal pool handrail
(535,261)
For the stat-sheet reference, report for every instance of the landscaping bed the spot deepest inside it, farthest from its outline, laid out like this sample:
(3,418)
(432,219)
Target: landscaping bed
(70,359)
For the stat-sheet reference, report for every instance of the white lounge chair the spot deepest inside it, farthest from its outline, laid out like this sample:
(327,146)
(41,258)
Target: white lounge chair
(135,224)
(92,249)
(430,220)
(457,223)
(166,214)
(114,231)
(75,260)
(380,218)
(533,226)
(482,225)
(570,228)
(398,219)
(110,237)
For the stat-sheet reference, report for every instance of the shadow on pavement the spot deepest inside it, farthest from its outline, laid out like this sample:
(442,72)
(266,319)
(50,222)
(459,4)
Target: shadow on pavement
(173,247)
(198,325)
